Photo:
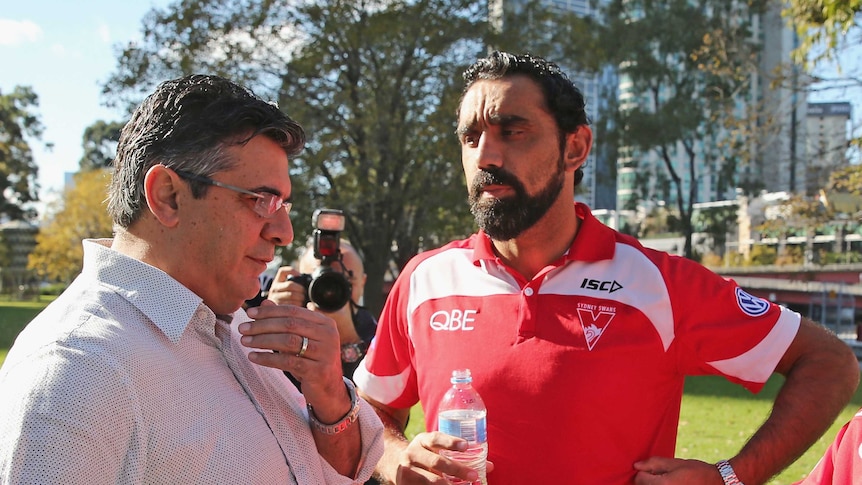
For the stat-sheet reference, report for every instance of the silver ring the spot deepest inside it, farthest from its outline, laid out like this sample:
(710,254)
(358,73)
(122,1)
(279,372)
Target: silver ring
(303,348)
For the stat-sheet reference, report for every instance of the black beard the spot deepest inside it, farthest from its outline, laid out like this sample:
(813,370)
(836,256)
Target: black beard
(505,219)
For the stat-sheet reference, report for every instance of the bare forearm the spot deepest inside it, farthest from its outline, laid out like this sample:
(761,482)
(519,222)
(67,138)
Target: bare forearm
(394,443)
(339,443)
(816,389)
(342,451)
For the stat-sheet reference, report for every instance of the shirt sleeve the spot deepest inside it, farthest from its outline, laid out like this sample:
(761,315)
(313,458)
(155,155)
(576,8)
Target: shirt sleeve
(722,329)
(387,374)
(372,449)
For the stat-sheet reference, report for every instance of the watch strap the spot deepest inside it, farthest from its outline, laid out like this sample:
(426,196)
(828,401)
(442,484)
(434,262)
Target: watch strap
(727,473)
(343,423)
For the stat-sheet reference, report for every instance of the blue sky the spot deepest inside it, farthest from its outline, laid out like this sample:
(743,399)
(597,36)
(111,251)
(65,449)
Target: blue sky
(63,50)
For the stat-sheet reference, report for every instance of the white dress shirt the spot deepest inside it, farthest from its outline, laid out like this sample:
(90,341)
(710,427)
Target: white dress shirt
(122,380)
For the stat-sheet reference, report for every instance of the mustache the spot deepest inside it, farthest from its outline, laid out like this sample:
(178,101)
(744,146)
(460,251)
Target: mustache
(498,176)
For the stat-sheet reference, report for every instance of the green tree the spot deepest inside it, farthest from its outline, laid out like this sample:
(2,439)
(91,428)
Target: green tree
(100,144)
(716,222)
(847,179)
(18,169)
(4,252)
(825,24)
(799,215)
(687,64)
(557,34)
(80,214)
(829,30)
(374,83)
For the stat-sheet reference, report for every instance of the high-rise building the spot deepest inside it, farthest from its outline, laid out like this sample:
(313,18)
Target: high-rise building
(598,187)
(826,142)
(779,99)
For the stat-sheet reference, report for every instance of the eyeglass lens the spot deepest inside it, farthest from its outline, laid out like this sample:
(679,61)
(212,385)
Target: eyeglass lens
(268,204)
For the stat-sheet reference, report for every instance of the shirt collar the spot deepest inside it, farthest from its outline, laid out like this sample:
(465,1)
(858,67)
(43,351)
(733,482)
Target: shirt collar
(166,302)
(594,241)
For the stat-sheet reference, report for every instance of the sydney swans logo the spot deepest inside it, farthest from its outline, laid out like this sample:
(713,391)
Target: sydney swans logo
(595,320)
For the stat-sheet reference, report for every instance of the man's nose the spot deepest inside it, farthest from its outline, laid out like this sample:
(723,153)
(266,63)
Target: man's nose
(279,228)
(489,152)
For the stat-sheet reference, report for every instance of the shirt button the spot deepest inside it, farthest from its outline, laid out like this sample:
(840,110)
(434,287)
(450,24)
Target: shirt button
(528,291)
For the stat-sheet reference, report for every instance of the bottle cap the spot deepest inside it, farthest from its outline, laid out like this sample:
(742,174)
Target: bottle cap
(461,376)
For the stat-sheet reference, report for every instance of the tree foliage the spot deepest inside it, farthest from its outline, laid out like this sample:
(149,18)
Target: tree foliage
(686,65)
(18,170)
(823,23)
(717,222)
(4,251)
(100,144)
(375,83)
(560,35)
(378,91)
(847,179)
(830,33)
(81,213)
(796,215)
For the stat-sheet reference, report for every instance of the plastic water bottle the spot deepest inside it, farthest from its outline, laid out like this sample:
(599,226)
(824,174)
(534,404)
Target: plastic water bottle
(462,413)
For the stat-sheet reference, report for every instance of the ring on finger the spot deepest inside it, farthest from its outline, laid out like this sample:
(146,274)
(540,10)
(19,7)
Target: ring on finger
(303,347)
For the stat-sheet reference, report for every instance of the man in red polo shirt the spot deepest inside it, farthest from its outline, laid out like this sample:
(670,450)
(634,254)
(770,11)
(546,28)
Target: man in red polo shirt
(578,338)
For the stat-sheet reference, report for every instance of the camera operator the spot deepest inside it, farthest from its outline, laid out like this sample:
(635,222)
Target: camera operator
(356,325)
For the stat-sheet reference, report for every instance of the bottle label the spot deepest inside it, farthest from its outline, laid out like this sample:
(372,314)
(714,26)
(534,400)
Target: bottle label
(469,425)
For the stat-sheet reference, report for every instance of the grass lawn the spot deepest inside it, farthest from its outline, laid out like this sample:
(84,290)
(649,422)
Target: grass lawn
(14,315)
(716,418)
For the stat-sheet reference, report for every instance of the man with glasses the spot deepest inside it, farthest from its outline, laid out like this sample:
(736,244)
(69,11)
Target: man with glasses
(147,370)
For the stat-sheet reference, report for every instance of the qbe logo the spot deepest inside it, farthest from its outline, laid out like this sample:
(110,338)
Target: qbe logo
(453,320)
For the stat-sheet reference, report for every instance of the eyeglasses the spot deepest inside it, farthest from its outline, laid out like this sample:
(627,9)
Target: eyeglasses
(265,205)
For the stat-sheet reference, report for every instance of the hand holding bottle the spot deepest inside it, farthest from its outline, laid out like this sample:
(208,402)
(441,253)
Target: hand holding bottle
(462,413)
(420,461)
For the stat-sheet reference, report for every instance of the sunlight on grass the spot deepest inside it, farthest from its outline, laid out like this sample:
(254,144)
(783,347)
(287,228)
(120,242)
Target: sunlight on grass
(717,418)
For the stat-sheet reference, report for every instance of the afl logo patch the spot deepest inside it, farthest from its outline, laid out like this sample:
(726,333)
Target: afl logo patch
(751,305)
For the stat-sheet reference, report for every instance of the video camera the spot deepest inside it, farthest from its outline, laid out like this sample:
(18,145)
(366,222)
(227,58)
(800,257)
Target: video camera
(327,287)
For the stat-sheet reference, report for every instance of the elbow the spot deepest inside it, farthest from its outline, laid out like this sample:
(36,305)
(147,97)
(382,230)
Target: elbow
(843,366)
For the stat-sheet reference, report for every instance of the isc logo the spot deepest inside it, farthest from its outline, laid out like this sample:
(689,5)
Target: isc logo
(453,320)
(609,286)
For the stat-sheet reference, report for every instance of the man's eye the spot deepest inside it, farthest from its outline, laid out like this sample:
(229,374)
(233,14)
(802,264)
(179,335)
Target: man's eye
(469,139)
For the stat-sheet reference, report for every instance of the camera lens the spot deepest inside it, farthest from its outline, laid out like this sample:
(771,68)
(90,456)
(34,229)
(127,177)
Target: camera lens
(329,290)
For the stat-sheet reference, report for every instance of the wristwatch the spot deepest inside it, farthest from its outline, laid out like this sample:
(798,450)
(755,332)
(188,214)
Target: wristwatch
(352,352)
(343,423)
(727,473)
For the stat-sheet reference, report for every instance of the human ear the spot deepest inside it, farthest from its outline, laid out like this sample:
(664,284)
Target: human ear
(578,145)
(161,190)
